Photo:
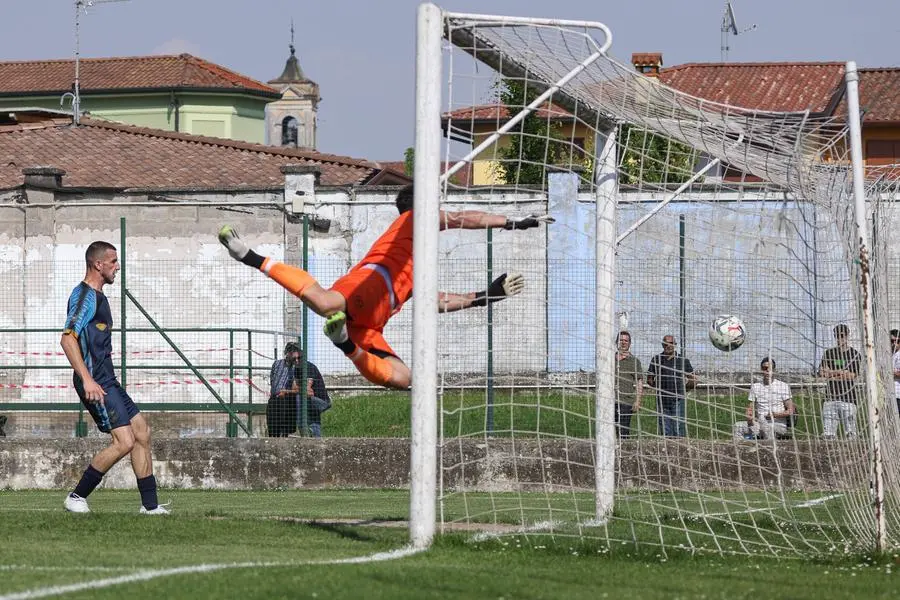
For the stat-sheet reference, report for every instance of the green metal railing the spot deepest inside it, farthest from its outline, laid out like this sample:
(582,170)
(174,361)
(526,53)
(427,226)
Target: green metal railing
(223,403)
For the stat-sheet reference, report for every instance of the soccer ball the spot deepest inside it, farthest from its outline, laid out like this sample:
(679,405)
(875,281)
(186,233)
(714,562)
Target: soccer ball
(727,333)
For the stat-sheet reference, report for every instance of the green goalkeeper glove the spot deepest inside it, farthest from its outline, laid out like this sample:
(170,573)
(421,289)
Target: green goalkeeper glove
(501,288)
(528,222)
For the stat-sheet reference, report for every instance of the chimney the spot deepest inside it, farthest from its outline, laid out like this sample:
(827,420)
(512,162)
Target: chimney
(648,63)
(43,177)
(300,185)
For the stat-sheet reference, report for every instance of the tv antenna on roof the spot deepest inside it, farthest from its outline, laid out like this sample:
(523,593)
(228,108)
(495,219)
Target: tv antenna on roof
(729,26)
(80,6)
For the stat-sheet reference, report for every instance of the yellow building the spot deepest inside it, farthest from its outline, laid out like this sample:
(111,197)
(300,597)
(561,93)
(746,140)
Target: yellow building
(176,93)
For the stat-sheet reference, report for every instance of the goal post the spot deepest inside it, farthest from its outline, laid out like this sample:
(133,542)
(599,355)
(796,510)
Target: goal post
(670,210)
(426,175)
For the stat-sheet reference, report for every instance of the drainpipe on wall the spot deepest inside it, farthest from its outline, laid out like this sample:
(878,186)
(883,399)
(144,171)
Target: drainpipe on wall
(175,105)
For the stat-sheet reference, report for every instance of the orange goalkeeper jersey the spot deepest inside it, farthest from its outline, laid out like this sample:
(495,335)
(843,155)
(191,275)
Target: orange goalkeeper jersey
(393,251)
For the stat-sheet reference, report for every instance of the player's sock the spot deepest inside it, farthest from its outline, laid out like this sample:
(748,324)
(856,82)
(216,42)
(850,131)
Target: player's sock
(293,279)
(147,488)
(89,480)
(374,368)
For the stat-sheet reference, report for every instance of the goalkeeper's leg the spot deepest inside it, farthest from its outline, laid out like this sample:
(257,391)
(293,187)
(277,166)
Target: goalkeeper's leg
(381,367)
(295,280)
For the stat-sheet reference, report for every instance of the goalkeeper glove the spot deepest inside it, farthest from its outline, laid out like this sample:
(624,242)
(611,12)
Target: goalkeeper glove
(501,288)
(528,222)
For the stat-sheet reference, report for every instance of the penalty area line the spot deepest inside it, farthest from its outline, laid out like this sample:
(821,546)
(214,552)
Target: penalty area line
(146,575)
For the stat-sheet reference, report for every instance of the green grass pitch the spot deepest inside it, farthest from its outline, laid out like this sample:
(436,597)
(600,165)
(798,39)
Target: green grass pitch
(323,544)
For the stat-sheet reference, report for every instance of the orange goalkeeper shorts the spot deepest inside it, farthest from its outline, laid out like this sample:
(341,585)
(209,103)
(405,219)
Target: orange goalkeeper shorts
(368,308)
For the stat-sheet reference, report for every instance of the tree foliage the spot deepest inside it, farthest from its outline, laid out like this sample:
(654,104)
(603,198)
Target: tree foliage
(409,161)
(531,147)
(650,158)
(537,143)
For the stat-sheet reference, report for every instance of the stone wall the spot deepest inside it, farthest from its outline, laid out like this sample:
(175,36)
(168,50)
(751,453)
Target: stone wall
(484,465)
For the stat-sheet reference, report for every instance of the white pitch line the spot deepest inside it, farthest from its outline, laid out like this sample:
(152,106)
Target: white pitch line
(818,501)
(58,590)
(40,568)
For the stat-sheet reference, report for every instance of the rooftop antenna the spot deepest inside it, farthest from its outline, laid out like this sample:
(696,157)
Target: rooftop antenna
(729,26)
(80,6)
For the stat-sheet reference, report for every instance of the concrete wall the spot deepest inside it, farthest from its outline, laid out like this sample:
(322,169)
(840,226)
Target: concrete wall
(474,464)
(785,274)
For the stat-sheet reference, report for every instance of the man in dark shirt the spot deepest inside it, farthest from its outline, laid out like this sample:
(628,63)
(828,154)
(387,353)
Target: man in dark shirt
(840,367)
(87,343)
(671,375)
(284,397)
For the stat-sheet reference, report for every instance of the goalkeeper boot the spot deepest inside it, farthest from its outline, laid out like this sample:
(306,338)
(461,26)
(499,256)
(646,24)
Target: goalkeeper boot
(236,247)
(335,328)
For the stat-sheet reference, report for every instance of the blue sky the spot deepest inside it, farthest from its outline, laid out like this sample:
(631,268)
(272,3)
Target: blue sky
(361,52)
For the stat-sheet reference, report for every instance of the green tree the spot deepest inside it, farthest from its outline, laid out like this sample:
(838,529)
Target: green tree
(531,145)
(646,157)
(409,161)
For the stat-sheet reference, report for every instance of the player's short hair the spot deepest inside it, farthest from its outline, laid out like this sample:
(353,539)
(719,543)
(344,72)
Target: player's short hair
(291,347)
(621,333)
(765,361)
(405,199)
(96,251)
(895,332)
(841,329)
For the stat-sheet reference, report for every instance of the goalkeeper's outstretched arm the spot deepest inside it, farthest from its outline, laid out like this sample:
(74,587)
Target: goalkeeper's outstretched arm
(476,219)
(500,289)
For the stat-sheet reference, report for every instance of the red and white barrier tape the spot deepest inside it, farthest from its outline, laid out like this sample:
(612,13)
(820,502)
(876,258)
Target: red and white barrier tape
(217,380)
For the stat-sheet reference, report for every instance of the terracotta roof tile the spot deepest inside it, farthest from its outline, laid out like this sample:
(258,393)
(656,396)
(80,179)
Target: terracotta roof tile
(136,72)
(786,87)
(879,96)
(497,112)
(99,154)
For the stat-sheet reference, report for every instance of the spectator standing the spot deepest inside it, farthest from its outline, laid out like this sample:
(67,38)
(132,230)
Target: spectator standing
(895,348)
(629,384)
(840,367)
(285,399)
(671,374)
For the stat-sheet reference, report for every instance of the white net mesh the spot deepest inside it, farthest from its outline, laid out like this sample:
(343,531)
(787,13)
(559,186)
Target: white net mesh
(718,210)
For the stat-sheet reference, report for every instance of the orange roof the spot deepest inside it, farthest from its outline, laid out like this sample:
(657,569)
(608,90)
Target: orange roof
(101,154)
(499,112)
(781,87)
(127,73)
(879,95)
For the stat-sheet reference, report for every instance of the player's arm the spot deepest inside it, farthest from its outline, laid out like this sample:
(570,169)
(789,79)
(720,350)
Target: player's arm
(501,288)
(476,219)
(690,379)
(638,389)
(789,409)
(69,342)
(825,368)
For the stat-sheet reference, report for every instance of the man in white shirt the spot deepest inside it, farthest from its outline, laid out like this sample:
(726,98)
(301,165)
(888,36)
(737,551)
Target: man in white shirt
(769,407)
(895,348)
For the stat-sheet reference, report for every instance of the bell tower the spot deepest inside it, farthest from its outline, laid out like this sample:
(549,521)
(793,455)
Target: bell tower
(291,121)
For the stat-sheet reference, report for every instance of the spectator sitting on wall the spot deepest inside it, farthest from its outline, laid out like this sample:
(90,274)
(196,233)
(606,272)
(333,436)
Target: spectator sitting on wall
(769,407)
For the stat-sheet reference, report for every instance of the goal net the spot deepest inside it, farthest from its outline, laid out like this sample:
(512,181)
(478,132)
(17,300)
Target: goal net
(669,210)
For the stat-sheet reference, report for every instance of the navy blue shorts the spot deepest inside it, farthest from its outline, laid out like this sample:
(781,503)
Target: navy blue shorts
(119,406)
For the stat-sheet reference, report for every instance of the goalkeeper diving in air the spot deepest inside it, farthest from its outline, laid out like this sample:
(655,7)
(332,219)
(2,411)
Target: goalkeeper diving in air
(359,304)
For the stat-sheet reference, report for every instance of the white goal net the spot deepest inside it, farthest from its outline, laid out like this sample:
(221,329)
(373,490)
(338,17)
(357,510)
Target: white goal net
(670,210)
